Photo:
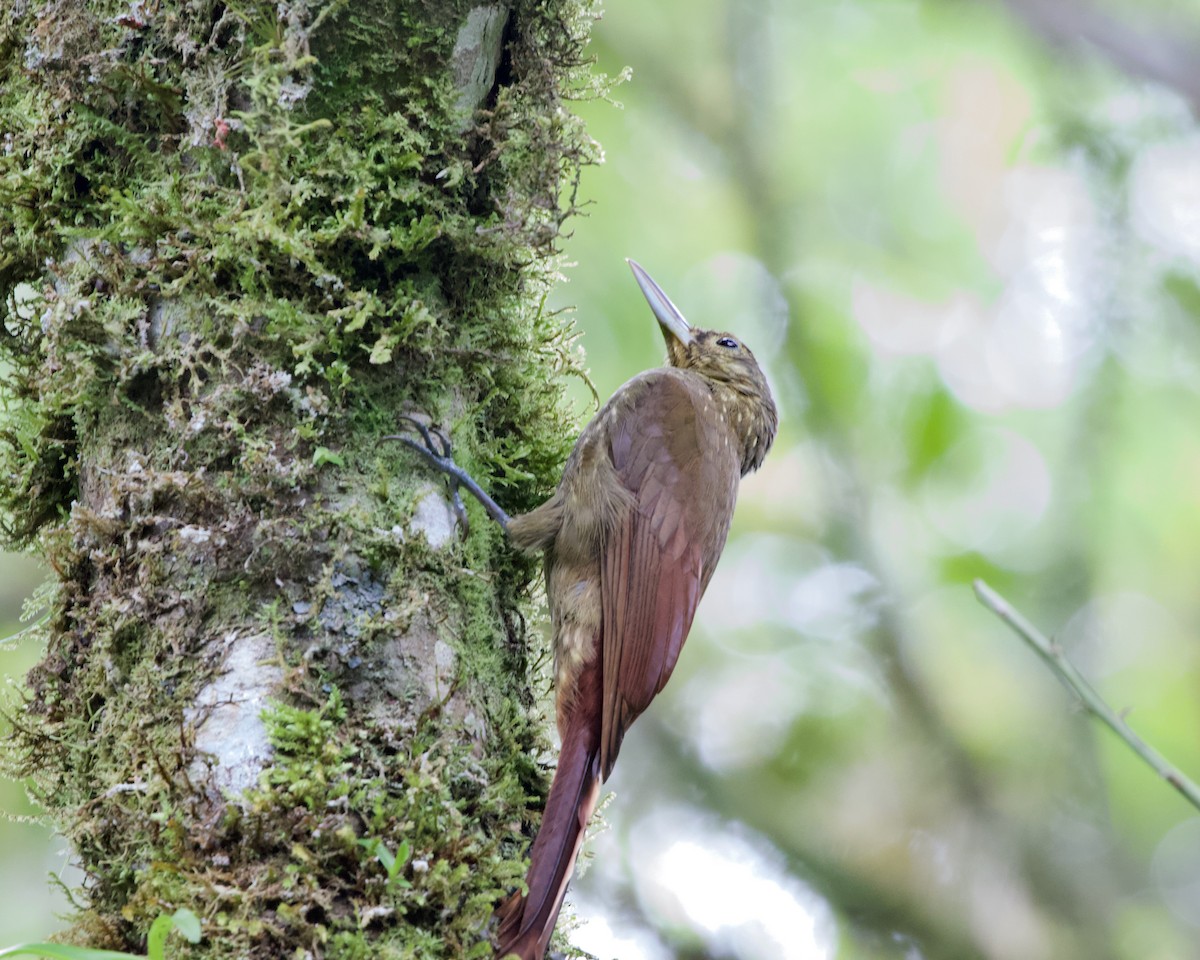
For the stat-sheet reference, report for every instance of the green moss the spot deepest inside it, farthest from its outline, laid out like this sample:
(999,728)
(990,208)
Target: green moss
(315,233)
(246,238)
(306,846)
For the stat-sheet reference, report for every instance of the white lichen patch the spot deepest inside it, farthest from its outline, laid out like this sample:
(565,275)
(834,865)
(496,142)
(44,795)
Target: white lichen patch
(227,716)
(192,534)
(433,517)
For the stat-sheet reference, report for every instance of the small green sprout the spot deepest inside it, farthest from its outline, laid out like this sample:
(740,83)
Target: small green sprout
(393,863)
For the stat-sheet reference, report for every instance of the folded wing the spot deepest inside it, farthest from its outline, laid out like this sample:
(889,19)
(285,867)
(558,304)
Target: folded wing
(674,457)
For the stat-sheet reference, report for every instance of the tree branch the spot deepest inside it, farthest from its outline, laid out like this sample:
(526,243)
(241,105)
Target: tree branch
(1052,655)
(1161,52)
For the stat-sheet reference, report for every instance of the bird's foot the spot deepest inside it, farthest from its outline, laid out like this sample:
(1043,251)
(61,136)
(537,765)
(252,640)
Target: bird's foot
(434,448)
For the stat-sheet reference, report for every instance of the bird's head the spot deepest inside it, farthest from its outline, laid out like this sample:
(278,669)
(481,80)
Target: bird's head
(720,357)
(715,354)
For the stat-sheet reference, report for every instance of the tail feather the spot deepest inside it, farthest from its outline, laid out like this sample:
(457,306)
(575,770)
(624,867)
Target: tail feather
(526,922)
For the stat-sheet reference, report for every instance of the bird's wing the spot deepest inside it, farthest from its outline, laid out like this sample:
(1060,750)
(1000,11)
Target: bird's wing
(667,451)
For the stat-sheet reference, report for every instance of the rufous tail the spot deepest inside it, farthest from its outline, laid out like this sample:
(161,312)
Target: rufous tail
(526,922)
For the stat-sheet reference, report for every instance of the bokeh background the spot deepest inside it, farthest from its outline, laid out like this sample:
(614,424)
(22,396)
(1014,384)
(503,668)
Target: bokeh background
(964,238)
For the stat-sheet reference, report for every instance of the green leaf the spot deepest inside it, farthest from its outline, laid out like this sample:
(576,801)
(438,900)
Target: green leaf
(382,351)
(156,939)
(64,951)
(393,863)
(401,858)
(188,924)
(183,920)
(323,455)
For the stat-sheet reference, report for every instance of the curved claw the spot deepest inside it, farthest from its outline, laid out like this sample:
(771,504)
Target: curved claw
(435,449)
(440,449)
(443,441)
(437,455)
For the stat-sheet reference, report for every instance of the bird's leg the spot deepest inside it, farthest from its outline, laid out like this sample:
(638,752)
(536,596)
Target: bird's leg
(434,448)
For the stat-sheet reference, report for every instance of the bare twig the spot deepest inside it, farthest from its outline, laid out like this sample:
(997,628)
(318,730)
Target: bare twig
(1052,655)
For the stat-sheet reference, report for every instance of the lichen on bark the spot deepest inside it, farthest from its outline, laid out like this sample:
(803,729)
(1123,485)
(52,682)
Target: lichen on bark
(244,238)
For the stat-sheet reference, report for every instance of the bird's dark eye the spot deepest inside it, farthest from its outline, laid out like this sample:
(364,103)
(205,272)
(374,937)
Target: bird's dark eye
(727,342)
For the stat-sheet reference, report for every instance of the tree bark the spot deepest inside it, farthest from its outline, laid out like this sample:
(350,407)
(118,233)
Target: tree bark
(282,688)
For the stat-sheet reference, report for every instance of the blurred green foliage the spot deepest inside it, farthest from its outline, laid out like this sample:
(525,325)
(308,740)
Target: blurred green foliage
(987,368)
(967,259)
(27,851)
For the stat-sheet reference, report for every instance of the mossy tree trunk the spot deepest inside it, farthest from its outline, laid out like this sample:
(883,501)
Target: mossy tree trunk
(240,240)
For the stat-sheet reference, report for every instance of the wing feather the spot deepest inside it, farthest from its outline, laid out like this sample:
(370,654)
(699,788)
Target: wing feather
(659,556)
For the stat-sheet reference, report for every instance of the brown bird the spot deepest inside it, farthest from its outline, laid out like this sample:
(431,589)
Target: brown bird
(631,538)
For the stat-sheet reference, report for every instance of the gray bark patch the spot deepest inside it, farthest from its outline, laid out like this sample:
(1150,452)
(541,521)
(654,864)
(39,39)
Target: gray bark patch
(477,51)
